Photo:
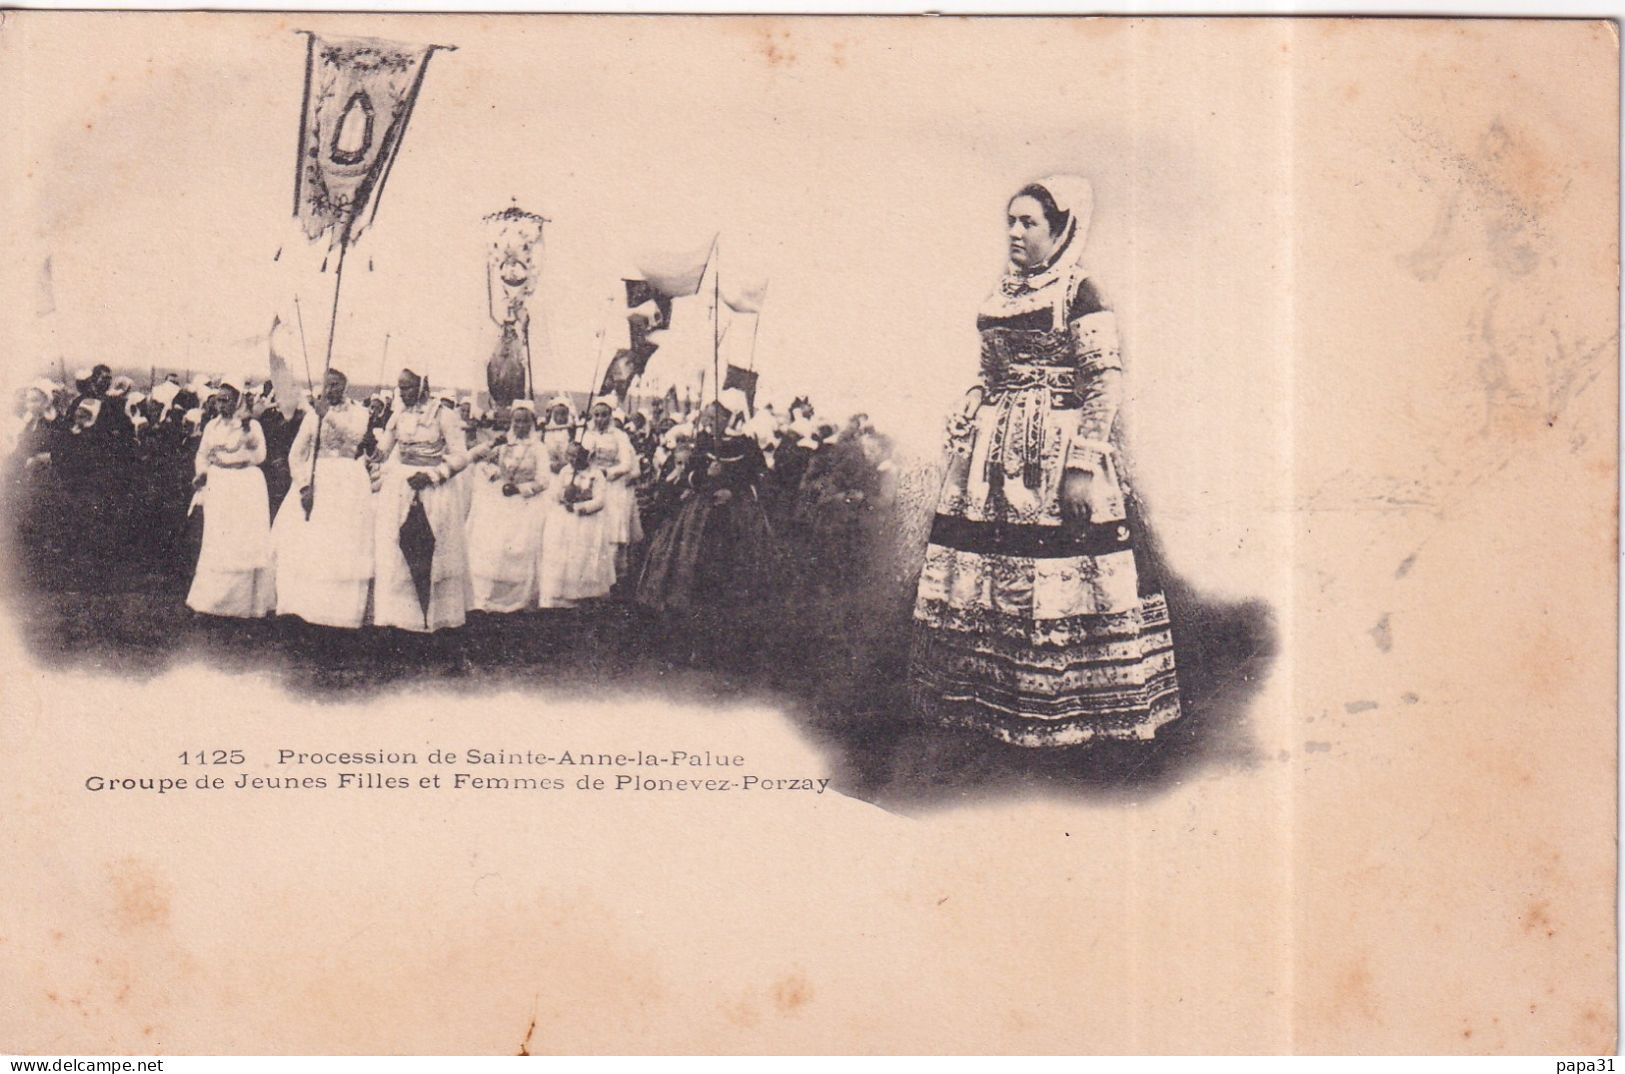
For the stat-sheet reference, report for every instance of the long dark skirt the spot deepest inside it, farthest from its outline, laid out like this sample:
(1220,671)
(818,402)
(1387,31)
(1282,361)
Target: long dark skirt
(711,557)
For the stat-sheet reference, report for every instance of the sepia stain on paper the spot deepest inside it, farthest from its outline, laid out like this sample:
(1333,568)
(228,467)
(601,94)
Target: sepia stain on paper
(1354,707)
(141,899)
(773,45)
(1354,992)
(1537,918)
(742,1013)
(791,994)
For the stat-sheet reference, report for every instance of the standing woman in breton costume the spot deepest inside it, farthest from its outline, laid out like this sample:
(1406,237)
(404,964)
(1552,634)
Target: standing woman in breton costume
(1033,621)
(505,523)
(710,569)
(422,449)
(234,575)
(323,534)
(612,452)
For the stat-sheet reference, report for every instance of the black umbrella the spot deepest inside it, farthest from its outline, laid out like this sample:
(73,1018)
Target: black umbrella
(417,545)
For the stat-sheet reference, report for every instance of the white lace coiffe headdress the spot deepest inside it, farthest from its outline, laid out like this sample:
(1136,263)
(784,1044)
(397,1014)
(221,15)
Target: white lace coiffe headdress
(1022,289)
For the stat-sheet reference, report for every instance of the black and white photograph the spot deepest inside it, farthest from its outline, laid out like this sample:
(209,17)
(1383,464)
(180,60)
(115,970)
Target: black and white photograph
(573,472)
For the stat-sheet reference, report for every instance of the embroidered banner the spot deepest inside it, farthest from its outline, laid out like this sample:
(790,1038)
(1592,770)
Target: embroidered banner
(359,93)
(514,262)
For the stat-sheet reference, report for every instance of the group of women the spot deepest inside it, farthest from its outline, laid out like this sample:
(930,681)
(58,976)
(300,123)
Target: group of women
(1035,620)
(552,516)
(424,528)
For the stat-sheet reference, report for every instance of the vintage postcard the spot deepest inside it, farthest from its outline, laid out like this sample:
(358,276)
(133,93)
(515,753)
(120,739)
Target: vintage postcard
(543,534)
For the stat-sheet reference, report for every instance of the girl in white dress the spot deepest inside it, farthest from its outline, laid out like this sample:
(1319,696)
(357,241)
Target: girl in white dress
(505,523)
(612,452)
(578,559)
(323,534)
(559,432)
(234,575)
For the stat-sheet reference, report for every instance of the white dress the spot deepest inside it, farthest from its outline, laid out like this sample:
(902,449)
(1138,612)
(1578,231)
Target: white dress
(578,558)
(324,564)
(505,532)
(557,441)
(234,569)
(463,482)
(612,452)
(427,441)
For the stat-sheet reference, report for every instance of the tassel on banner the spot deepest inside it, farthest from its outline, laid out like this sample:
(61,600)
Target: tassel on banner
(278,255)
(324,264)
(369,264)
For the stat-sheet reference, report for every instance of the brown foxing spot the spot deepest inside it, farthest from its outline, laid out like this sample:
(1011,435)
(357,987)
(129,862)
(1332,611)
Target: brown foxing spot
(791,994)
(1353,991)
(743,1014)
(1537,918)
(1597,1030)
(139,897)
(1543,663)
(774,46)
(1523,168)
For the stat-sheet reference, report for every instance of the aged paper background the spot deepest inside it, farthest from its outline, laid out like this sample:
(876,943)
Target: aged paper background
(1367,276)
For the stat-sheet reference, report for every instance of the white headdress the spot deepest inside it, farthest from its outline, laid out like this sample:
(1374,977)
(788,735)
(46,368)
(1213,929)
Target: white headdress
(1051,284)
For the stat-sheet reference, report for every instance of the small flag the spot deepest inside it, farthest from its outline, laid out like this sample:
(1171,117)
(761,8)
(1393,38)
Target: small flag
(744,380)
(627,366)
(676,273)
(746,297)
(282,379)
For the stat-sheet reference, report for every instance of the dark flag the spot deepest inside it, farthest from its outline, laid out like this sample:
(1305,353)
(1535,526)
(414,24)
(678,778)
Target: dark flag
(648,309)
(624,368)
(359,93)
(744,380)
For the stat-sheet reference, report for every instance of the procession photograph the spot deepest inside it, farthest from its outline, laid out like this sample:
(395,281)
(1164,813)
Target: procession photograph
(377,365)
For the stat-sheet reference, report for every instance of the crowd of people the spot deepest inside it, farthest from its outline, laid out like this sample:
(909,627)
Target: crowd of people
(1038,615)
(412,509)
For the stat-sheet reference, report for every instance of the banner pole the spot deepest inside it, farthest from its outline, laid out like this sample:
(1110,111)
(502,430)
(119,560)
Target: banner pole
(332,330)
